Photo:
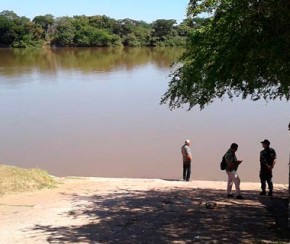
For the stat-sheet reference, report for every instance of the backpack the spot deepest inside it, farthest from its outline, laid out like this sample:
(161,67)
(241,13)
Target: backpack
(223,164)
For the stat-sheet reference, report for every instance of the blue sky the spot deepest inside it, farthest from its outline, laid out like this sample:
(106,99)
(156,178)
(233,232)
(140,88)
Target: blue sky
(148,10)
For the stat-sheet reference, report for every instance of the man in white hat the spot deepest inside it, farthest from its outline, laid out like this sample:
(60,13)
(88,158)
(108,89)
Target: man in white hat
(186,156)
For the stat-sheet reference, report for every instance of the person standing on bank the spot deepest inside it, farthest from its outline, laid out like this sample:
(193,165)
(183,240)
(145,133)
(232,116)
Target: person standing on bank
(186,156)
(267,162)
(232,167)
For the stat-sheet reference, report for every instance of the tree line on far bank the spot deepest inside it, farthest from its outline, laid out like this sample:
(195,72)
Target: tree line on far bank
(91,31)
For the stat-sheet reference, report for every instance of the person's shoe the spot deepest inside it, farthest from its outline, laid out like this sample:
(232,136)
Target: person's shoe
(230,195)
(270,193)
(239,197)
(262,193)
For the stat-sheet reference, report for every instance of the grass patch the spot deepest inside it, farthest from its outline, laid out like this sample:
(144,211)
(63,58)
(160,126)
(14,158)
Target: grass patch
(15,179)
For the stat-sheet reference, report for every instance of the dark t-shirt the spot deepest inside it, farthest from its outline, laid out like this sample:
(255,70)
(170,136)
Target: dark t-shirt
(267,157)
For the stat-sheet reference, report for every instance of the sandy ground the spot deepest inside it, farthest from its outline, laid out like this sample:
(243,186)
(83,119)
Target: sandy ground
(103,210)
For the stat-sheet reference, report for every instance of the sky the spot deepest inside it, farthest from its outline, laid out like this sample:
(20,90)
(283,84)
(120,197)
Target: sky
(148,10)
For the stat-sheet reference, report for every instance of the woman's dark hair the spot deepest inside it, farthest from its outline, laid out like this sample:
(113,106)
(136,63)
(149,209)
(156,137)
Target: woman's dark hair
(234,146)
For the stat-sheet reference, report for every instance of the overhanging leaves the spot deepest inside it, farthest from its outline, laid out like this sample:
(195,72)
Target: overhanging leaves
(243,50)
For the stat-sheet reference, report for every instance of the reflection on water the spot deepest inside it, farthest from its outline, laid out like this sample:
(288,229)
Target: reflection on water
(96,112)
(16,62)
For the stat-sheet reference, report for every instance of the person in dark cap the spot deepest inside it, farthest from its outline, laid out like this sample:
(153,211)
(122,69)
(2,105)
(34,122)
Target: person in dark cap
(267,162)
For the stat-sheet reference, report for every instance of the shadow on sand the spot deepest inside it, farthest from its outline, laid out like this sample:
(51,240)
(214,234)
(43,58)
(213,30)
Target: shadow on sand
(167,216)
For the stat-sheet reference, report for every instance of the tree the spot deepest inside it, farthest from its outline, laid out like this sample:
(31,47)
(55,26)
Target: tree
(102,22)
(7,30)
(162,28)
(45,22)
(16,31)
(9,15)
(133,32)
(243,49)
(89,36)
(65,31)
(142,32)
(89,31)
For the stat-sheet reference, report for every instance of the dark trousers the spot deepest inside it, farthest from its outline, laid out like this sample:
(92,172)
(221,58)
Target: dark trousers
(186,170)
(266,176)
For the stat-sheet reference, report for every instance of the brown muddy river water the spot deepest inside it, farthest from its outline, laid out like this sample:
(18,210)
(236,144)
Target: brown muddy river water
(96,112)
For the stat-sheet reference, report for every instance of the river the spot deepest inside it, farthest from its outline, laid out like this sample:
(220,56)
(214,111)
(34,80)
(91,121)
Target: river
(96,112)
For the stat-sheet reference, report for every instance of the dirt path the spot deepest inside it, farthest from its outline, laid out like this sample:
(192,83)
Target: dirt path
(100,210)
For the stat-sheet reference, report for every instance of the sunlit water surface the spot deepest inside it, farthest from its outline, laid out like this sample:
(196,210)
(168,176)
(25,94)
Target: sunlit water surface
(96,112)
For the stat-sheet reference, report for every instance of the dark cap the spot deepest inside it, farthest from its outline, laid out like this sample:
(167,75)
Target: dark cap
(266,142)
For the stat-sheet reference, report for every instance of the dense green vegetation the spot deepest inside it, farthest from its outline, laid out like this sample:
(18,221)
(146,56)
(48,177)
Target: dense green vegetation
(243,49)
(89,31)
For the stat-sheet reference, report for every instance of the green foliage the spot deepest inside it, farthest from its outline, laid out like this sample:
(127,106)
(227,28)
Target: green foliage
(43,25)
(88,31)
(65,32)
(161,29)
(133,33)
(89,36)
(45,21)
(103,39)
(27,41)
(131,40)
(7,30)
(18,31)
(243,49)
(102,22)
